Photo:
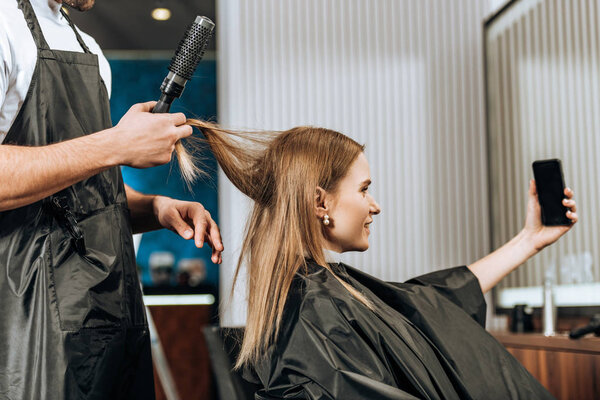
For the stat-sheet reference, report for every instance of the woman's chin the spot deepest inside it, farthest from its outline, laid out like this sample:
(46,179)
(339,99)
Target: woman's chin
(363,246)
(358,245)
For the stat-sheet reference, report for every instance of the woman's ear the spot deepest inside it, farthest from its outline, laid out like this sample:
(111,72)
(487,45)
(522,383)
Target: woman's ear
(320,202)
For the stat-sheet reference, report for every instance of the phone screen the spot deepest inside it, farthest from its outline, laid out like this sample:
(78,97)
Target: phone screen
(550,187)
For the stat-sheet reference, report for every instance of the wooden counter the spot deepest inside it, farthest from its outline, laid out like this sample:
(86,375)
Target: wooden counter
(180,331)
(569,369)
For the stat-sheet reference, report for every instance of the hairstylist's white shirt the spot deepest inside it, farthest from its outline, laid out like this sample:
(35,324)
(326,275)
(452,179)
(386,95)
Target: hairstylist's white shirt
(18,53)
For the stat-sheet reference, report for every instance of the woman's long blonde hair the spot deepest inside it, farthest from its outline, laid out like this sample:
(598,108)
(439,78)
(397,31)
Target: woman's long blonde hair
(280,171)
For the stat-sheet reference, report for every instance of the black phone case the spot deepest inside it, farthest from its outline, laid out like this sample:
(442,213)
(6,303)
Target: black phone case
(550,218)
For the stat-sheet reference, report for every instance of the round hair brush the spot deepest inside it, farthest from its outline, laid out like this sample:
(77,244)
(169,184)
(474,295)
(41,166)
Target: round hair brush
(184,62)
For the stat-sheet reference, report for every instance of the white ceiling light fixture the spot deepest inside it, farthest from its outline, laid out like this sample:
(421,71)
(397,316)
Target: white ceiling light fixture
(161,13)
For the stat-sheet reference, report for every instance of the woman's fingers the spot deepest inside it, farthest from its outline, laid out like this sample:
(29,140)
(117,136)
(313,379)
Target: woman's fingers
(572,216)
(571,204)
(569,193)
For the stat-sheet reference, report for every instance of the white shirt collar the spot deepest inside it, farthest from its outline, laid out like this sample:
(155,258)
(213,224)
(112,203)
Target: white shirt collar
(332,257)
(46,8)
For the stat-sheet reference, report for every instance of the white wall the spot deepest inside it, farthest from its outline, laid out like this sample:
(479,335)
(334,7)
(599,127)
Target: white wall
(403,76)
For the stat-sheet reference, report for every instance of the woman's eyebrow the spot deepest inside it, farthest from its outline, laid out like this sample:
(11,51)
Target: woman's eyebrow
(365,182)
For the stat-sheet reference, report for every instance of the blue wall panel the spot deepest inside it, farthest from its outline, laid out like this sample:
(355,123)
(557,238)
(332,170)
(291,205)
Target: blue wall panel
(139,80)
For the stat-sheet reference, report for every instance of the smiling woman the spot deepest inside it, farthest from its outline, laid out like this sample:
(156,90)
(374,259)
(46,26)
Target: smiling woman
(351,209)
(317,328)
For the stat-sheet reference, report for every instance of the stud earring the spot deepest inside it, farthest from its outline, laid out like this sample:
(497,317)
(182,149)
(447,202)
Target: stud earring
(326,220)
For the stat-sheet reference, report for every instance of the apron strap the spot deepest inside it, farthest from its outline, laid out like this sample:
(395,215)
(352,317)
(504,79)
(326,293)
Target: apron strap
(79,38)
(33,24)
(36,30)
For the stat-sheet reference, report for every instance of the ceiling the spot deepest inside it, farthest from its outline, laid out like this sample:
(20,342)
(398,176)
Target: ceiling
(127,24)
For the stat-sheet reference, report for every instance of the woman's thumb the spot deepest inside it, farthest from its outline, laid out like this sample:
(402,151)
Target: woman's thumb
(532,188)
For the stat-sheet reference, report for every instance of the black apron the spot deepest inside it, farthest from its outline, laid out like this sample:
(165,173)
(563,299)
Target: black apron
(72,319)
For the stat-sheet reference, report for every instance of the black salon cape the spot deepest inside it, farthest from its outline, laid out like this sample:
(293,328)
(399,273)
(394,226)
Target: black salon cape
(425,340)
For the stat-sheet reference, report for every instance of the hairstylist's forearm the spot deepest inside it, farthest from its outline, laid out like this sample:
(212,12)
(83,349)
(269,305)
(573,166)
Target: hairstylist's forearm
(143,214)
(492,268)
(29,174)
(140,139)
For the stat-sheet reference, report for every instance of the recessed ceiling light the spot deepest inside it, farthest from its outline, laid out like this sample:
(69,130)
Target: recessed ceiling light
(161,14)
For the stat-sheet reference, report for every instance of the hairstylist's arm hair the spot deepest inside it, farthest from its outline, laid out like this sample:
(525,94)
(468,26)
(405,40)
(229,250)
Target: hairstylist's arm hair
(140,140)
(530,241)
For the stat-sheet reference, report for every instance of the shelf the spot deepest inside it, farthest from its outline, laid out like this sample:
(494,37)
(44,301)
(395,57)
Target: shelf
(560,342)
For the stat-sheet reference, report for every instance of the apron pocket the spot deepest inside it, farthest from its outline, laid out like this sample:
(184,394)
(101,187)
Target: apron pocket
(88,287)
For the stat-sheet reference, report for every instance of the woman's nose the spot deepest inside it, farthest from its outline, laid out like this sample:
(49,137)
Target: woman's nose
(375,209)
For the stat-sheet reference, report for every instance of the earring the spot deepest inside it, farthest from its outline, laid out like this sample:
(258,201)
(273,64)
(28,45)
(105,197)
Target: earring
(326,220)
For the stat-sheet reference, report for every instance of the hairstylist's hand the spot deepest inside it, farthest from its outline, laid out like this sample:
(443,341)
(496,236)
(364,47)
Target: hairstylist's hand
(189,220)
(143,139)
(539,234)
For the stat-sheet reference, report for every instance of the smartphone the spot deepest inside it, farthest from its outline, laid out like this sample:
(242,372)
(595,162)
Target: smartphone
(550,184)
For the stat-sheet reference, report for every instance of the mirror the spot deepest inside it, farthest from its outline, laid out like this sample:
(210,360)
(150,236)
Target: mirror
(543,101)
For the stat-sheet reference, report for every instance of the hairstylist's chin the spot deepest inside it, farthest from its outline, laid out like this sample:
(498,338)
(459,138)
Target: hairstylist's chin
(81,5)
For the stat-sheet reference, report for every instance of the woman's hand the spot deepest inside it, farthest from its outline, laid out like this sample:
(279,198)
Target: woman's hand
(540,235)
(534,237)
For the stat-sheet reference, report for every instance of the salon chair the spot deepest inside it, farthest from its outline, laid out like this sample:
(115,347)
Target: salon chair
(223,347)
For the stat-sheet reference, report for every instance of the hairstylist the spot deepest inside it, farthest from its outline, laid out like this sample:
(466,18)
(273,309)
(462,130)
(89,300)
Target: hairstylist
(72,319)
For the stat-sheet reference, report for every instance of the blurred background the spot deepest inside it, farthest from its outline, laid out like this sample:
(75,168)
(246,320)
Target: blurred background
(139,39)
(454,101)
